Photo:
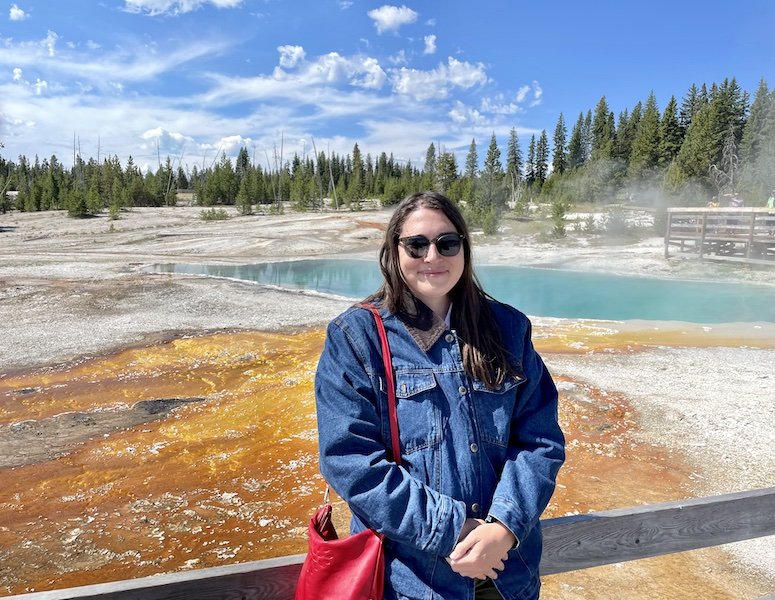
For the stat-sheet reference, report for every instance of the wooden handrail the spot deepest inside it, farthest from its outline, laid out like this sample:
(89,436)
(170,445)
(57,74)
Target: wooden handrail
(570,543)
(745,235)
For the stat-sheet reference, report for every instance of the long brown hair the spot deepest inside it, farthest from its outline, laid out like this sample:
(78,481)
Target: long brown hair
(484,356)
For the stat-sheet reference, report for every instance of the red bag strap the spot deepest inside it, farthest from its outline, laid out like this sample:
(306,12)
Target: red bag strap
(387,361)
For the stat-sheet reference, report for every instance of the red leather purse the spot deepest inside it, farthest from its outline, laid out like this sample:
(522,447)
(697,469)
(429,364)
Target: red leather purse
(352,568)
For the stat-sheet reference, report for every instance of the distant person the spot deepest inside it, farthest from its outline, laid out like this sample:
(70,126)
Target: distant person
(771,200)
(477,417)
(736,201)
(713,202)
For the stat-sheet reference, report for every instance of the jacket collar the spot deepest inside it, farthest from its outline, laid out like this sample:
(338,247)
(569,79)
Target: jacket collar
(421,322)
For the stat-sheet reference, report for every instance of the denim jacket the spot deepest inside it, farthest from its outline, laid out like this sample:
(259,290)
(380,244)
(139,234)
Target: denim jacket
(467,451)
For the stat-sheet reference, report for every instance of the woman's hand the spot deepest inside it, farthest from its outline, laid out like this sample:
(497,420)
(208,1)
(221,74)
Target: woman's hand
(468,527)
(482,552)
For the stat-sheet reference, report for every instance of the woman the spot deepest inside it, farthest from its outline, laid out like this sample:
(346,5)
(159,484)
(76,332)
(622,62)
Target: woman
(477,417)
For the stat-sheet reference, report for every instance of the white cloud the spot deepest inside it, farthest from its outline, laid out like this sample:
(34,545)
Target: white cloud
(373,76)
(533,90)
(92,45)
(399,58)
(231,144)
(391,18)
(290,56)
(142,63)
(161,135)
(345,4)
(40,87)
(423,85)
(17,74)
(537,94)
(16,13)
(50,42)
(498,105)
(430,44)
(329,69)
(174,7)
(408,137)
(465,115)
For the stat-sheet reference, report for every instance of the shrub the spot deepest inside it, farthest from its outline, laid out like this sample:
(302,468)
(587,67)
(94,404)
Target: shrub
(214,214)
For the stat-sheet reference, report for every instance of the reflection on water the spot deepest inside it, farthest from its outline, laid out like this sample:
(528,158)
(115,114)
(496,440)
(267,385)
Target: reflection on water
(537,292)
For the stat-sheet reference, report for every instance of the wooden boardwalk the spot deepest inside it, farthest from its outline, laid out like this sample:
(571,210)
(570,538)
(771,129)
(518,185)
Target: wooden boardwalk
(743,235)
(570,543)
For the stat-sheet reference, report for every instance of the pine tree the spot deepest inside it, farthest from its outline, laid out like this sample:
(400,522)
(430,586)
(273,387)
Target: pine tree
(93,199)
(243,200)
(492,176)
(559,159)
(356,185)
(699,147)
(243,164)
(731,108)
(757,148)
(645,147)
(576,145)
(513,157)
(472,161)
(602,135)
(689,107)
(429,169)
(513,165)
(368,173)
(755,126)
(446,171)
(472,167)
(530,165)
(542,158)
(670,136)
(586,136)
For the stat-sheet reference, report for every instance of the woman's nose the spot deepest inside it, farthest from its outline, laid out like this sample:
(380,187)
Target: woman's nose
(433,253)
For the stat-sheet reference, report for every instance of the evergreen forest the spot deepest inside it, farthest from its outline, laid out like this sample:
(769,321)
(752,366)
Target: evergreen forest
(715,142)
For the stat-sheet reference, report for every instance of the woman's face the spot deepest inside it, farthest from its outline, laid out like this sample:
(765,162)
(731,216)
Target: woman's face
(432,277)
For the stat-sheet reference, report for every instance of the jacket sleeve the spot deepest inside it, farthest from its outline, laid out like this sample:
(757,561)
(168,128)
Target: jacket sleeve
(536,449)
(354,461)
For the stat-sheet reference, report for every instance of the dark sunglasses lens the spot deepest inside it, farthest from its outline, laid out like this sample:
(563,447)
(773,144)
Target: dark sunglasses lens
(448,245)
(417,247)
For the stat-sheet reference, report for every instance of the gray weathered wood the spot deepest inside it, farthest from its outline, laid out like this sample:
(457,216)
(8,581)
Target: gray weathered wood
(620,535)
(746,234)
(570,543)
(274,579)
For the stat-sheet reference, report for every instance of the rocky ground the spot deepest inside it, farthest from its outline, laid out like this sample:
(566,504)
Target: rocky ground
(74,288)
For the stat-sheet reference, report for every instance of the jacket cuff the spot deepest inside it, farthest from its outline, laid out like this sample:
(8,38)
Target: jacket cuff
(448,528)
(491,519)
(507,514)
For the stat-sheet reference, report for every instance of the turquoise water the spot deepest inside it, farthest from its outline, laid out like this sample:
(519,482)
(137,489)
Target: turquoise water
(538,292)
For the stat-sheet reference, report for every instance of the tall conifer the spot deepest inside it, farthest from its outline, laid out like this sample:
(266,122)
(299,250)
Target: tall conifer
(559,158)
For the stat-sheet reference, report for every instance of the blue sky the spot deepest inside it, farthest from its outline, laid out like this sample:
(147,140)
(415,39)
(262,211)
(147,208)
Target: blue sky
(195,78)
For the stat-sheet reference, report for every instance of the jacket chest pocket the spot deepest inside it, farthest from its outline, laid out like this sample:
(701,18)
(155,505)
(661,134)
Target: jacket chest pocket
(495,410)
(419,415)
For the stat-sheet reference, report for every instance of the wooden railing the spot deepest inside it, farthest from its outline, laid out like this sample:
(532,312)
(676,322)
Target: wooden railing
(570,543)
(732,234)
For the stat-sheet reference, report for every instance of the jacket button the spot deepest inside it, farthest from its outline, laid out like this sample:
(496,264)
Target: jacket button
(449,338)
(475,507)
(474,447)
(462,390)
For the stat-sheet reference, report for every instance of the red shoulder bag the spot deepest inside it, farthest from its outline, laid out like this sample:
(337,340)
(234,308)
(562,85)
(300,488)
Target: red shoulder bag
(351,568)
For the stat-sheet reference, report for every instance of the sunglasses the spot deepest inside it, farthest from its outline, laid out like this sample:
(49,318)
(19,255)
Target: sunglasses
(447,244)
